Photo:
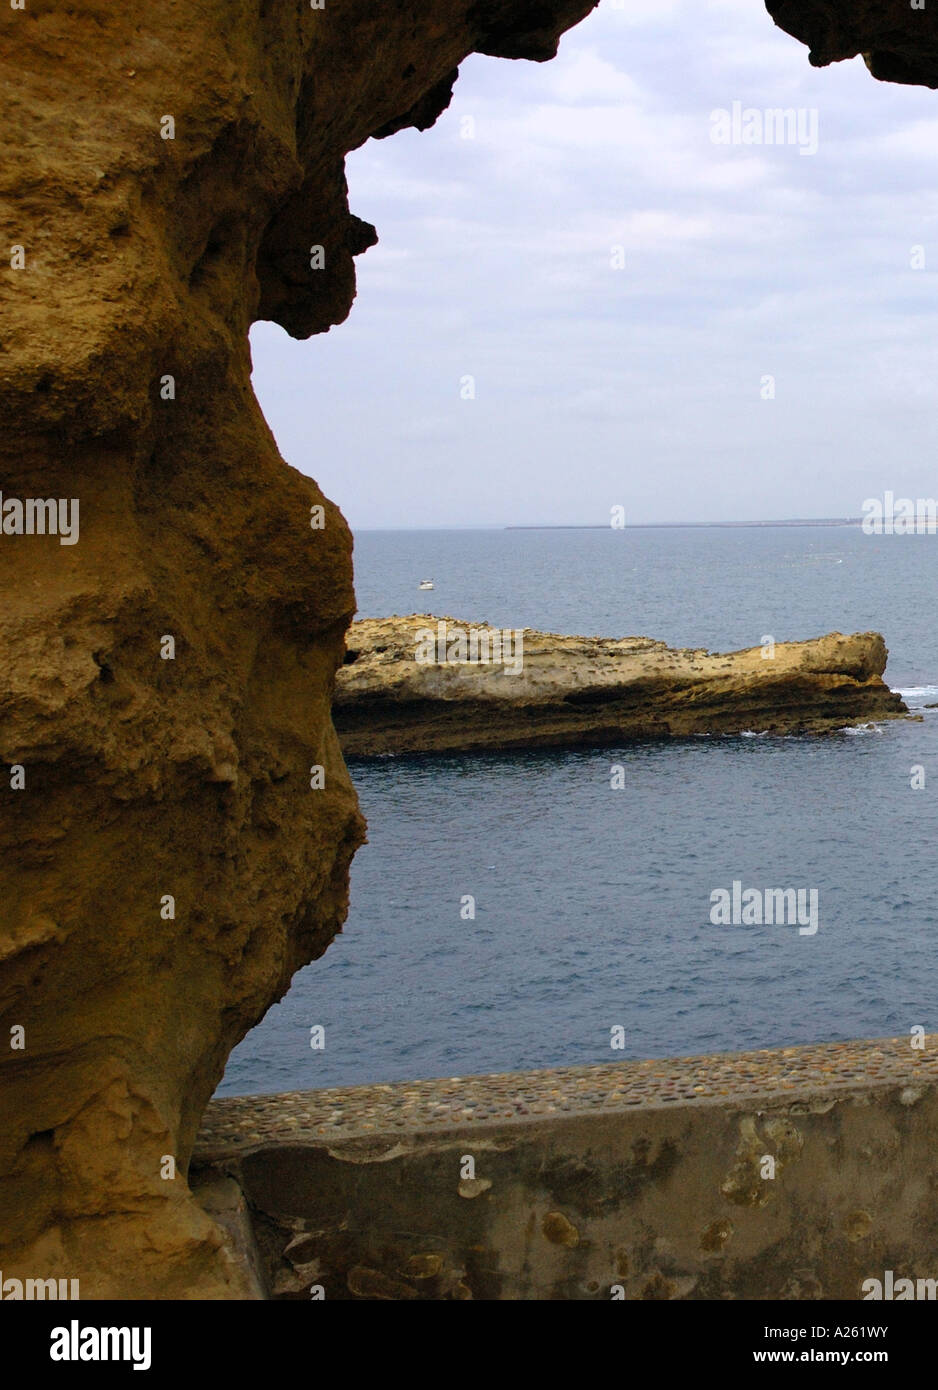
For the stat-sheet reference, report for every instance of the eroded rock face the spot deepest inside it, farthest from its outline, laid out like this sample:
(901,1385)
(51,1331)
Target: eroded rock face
(425,684)
(139,259)
(167,865)
(897,38)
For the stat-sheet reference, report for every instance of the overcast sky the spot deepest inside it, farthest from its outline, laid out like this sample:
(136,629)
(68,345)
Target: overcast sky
(641,386)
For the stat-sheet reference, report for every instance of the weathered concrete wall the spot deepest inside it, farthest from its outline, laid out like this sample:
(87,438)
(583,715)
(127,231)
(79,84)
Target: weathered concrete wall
(653,1178)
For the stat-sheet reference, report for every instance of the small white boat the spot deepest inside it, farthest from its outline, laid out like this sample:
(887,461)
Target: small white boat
(425,584)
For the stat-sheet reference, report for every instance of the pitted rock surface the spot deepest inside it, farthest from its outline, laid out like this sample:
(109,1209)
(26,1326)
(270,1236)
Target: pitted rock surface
(125,373)
(136,266)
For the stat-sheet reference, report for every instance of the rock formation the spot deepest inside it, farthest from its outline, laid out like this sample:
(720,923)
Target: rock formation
(897,38)
(408,686)
(169,175)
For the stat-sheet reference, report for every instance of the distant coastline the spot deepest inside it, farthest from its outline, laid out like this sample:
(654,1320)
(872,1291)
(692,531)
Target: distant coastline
(686,525)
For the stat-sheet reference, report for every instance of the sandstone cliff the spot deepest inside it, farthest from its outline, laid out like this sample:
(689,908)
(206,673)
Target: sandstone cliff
(549,691)
(166,176)
(898,39)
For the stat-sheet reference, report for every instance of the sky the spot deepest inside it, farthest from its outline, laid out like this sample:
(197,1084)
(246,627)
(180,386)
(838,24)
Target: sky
(651,320)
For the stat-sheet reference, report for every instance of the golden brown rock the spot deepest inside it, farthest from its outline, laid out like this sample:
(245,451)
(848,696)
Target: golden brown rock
(133,267)
(167,175)
(414,685)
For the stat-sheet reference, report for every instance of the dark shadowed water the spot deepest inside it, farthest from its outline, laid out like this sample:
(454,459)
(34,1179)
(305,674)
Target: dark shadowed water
(593,903)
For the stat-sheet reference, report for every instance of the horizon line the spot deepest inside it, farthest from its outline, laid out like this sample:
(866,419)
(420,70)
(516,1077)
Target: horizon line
(634,526)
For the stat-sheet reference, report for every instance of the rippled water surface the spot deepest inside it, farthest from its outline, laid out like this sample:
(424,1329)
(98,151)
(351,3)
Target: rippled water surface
(593,904)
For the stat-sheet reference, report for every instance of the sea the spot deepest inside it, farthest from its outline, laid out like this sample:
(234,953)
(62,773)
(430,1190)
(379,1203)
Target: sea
(519,910)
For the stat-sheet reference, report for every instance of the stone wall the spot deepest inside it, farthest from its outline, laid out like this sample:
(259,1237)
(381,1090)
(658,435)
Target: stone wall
(790,1174)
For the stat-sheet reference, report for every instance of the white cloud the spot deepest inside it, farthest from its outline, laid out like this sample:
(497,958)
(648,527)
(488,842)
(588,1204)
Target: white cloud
(495,258)
(585,77)
(660,13)
(917,140)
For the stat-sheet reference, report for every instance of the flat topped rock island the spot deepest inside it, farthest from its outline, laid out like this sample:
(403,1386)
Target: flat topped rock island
(424,684)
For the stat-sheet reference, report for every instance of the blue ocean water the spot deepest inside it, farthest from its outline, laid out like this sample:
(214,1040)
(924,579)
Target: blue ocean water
(593,903)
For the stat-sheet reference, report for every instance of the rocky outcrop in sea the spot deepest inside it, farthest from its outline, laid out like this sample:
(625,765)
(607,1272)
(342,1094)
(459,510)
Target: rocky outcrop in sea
(422,684)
